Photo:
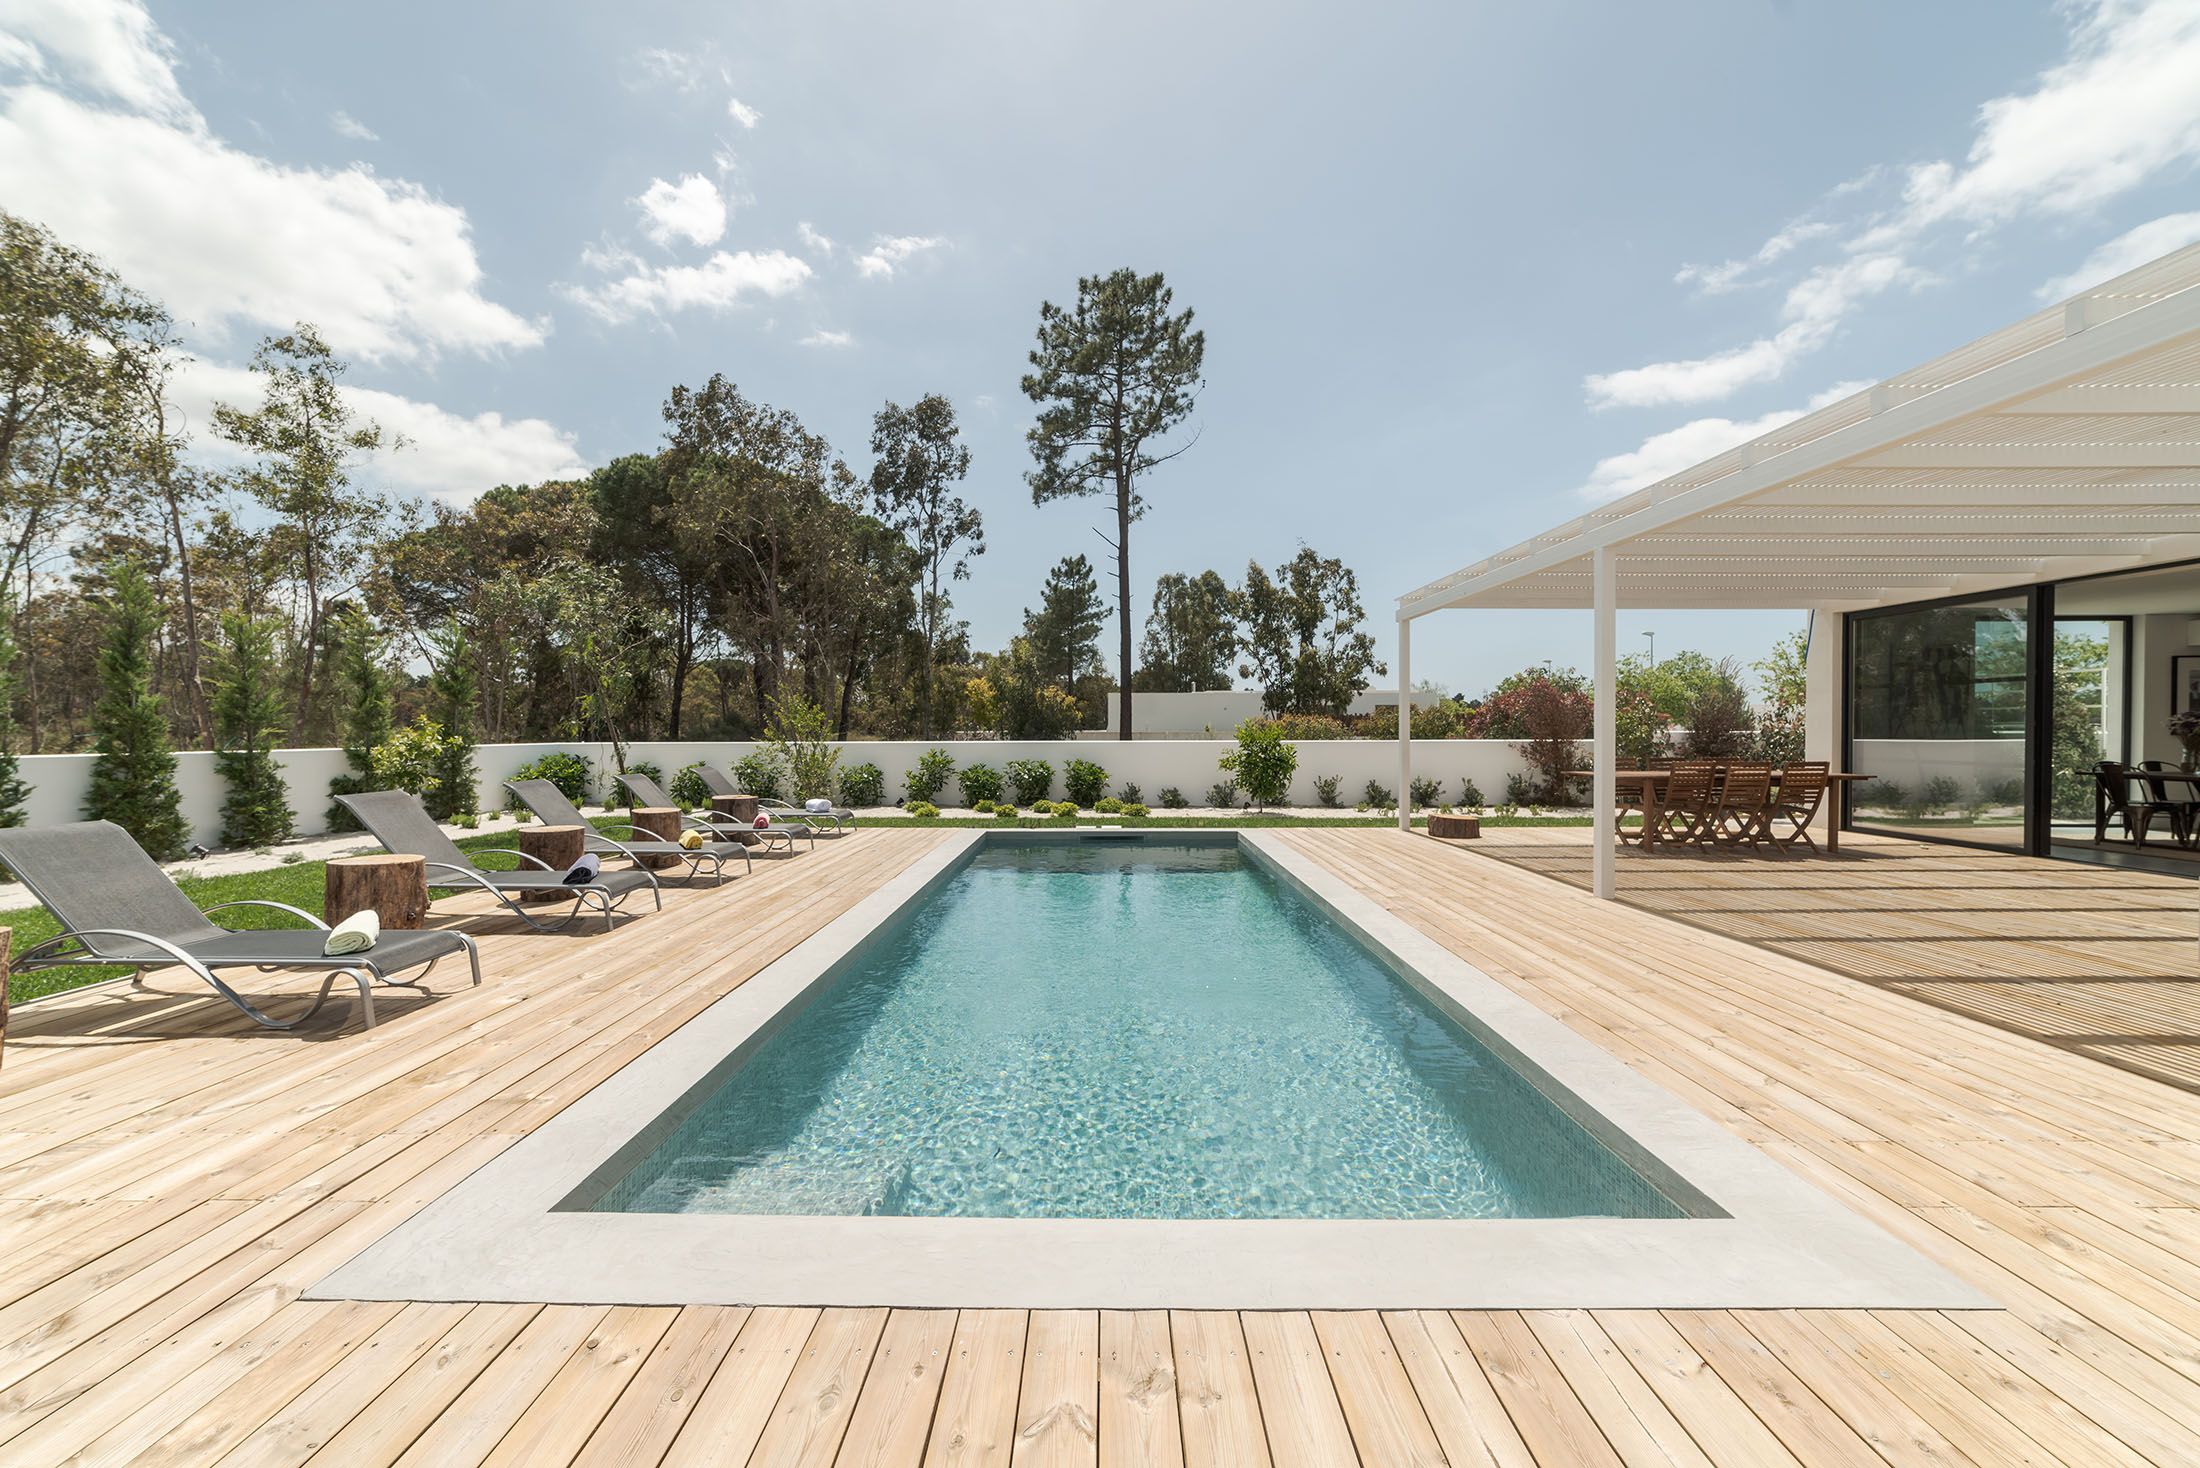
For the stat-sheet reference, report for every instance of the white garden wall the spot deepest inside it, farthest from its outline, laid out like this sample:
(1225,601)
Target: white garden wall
(58,782)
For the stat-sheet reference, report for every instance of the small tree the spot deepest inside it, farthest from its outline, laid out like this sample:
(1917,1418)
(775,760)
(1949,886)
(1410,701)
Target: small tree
(800,738)
(1263,762)
(1718,719)
(134,773)
(367,708)
(1302,636)
(13,792)
(452,694)
(248,726)
(1787,688)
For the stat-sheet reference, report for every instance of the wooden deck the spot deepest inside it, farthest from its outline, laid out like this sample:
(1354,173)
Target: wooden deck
(2099,960)
(170,1181)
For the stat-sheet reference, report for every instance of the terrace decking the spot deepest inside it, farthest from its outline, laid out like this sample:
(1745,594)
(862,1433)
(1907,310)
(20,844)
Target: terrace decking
(171,1180)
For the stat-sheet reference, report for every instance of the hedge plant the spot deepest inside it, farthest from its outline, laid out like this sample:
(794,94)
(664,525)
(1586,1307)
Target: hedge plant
(688,788)
(573,774)
(930,777)
(1085,781)
(1032,780)
(981,786)
(862,785)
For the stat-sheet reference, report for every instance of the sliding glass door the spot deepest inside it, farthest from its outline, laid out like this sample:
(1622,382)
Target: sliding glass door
(1938,706)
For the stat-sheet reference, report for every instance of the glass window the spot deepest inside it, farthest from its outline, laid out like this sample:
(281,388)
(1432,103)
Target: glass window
(1937,715)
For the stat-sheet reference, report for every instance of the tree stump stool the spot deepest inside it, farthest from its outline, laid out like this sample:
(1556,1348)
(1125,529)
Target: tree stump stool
(657,823)
(742,808)
(556,847)
(1466,827)
(395,887)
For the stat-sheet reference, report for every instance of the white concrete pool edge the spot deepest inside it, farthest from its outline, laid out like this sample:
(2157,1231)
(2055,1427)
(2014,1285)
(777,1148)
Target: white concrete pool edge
(500,1234)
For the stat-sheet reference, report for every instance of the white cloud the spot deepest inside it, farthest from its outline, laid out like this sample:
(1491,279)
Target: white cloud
(1665,454)
(811,238)
(742,112)
(2122,108)
(110,47)
(691,210)
(222,237)
(2128,251)
(1728,274)
(719,283)
(1813,311)
(889,252)
(351,127)
(662,66)
(824,338)
(447,455)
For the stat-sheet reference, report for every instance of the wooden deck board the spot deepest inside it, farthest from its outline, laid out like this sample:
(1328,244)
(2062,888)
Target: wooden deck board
(1993,1058)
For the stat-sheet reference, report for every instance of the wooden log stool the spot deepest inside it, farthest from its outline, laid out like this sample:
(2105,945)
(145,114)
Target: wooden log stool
(742,808)
(1457,827)
(395,887)
(557,848)
(657,823)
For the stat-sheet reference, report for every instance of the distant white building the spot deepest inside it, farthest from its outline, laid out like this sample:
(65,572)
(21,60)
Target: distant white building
(1217,714)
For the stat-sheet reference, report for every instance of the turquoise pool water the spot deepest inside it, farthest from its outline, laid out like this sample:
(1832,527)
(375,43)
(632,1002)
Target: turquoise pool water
(1127,1030)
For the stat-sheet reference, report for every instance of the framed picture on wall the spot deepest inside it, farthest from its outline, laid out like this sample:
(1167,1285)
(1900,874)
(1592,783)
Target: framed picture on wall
(2184,687)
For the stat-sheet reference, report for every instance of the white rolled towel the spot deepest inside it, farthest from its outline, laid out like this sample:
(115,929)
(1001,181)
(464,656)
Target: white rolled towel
(354,934)
(818,807)
(584,871)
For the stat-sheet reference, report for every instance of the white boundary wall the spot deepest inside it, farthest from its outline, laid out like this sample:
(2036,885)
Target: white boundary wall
(59,782)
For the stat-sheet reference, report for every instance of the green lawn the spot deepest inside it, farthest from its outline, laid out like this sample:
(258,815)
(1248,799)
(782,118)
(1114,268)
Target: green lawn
(300,883)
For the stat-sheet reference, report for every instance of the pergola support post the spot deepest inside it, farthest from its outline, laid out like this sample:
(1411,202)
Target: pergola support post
(1604,793)
(1405,724)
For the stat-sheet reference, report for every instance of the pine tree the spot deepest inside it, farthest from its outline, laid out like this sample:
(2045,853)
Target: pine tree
(452,695)
(368,708)
(13,792)
(134,772)
(248,726)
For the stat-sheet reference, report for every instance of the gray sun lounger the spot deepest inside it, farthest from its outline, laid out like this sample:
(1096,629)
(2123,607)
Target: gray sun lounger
(836,820)
(647,792)
(116,906)
(397,820)
(549,804)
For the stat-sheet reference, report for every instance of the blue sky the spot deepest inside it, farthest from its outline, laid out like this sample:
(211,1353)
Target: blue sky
(1463,268)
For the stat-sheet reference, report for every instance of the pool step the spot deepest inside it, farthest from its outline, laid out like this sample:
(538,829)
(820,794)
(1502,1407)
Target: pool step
(786,1187)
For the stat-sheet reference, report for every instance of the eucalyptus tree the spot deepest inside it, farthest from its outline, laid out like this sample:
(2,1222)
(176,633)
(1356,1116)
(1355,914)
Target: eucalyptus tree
(1191,634)
(1303,637)
(307,440)
(1112,376)
(920,458)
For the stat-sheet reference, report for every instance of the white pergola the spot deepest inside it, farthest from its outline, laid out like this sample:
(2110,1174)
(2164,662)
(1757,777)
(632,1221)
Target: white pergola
(2063,445)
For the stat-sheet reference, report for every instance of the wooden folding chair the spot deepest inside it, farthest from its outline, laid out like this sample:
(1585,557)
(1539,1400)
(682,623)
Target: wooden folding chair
(1803,786)
(1743,812)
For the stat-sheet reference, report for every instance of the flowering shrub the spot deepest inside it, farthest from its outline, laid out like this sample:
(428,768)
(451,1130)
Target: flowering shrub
(860,785)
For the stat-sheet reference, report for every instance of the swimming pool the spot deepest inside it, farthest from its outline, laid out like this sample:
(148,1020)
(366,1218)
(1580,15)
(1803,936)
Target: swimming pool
(1202,1070)
(1128,1030)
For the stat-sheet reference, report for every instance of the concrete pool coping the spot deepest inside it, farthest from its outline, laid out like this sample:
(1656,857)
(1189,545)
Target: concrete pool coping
(1761,1237)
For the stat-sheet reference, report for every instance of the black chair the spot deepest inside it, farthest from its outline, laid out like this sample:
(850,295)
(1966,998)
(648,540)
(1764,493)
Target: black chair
(2113,783)
(2178,795)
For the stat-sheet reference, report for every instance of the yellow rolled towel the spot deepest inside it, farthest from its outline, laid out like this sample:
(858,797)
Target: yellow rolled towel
(354,934)
(692,840)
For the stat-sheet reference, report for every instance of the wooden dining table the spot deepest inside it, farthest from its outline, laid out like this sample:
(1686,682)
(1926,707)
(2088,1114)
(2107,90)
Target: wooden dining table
(1649,786)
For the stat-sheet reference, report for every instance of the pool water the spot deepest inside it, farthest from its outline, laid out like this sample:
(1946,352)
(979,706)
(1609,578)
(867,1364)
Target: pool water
(1127,1030)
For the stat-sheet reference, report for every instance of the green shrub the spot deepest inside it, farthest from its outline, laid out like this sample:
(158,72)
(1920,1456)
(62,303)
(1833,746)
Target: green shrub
(1172,798)
(1032,780)
(647,767)
(759,773)
(1133,808)
(1129,793)
(1005,811)
(1426,791)
(863,785)
(134,773)
(922,809)
(453,695)
(571,773)
(1263,762)
(412,758)
(1378,796)
(363,688)
(981,786)
(688,788)
(1061,809)
(800,737)
(1316,726)
(1085,781)
(1325,790)
(1223,795)
(248,727)
(1107,805)
(930,777)
(1470,794)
